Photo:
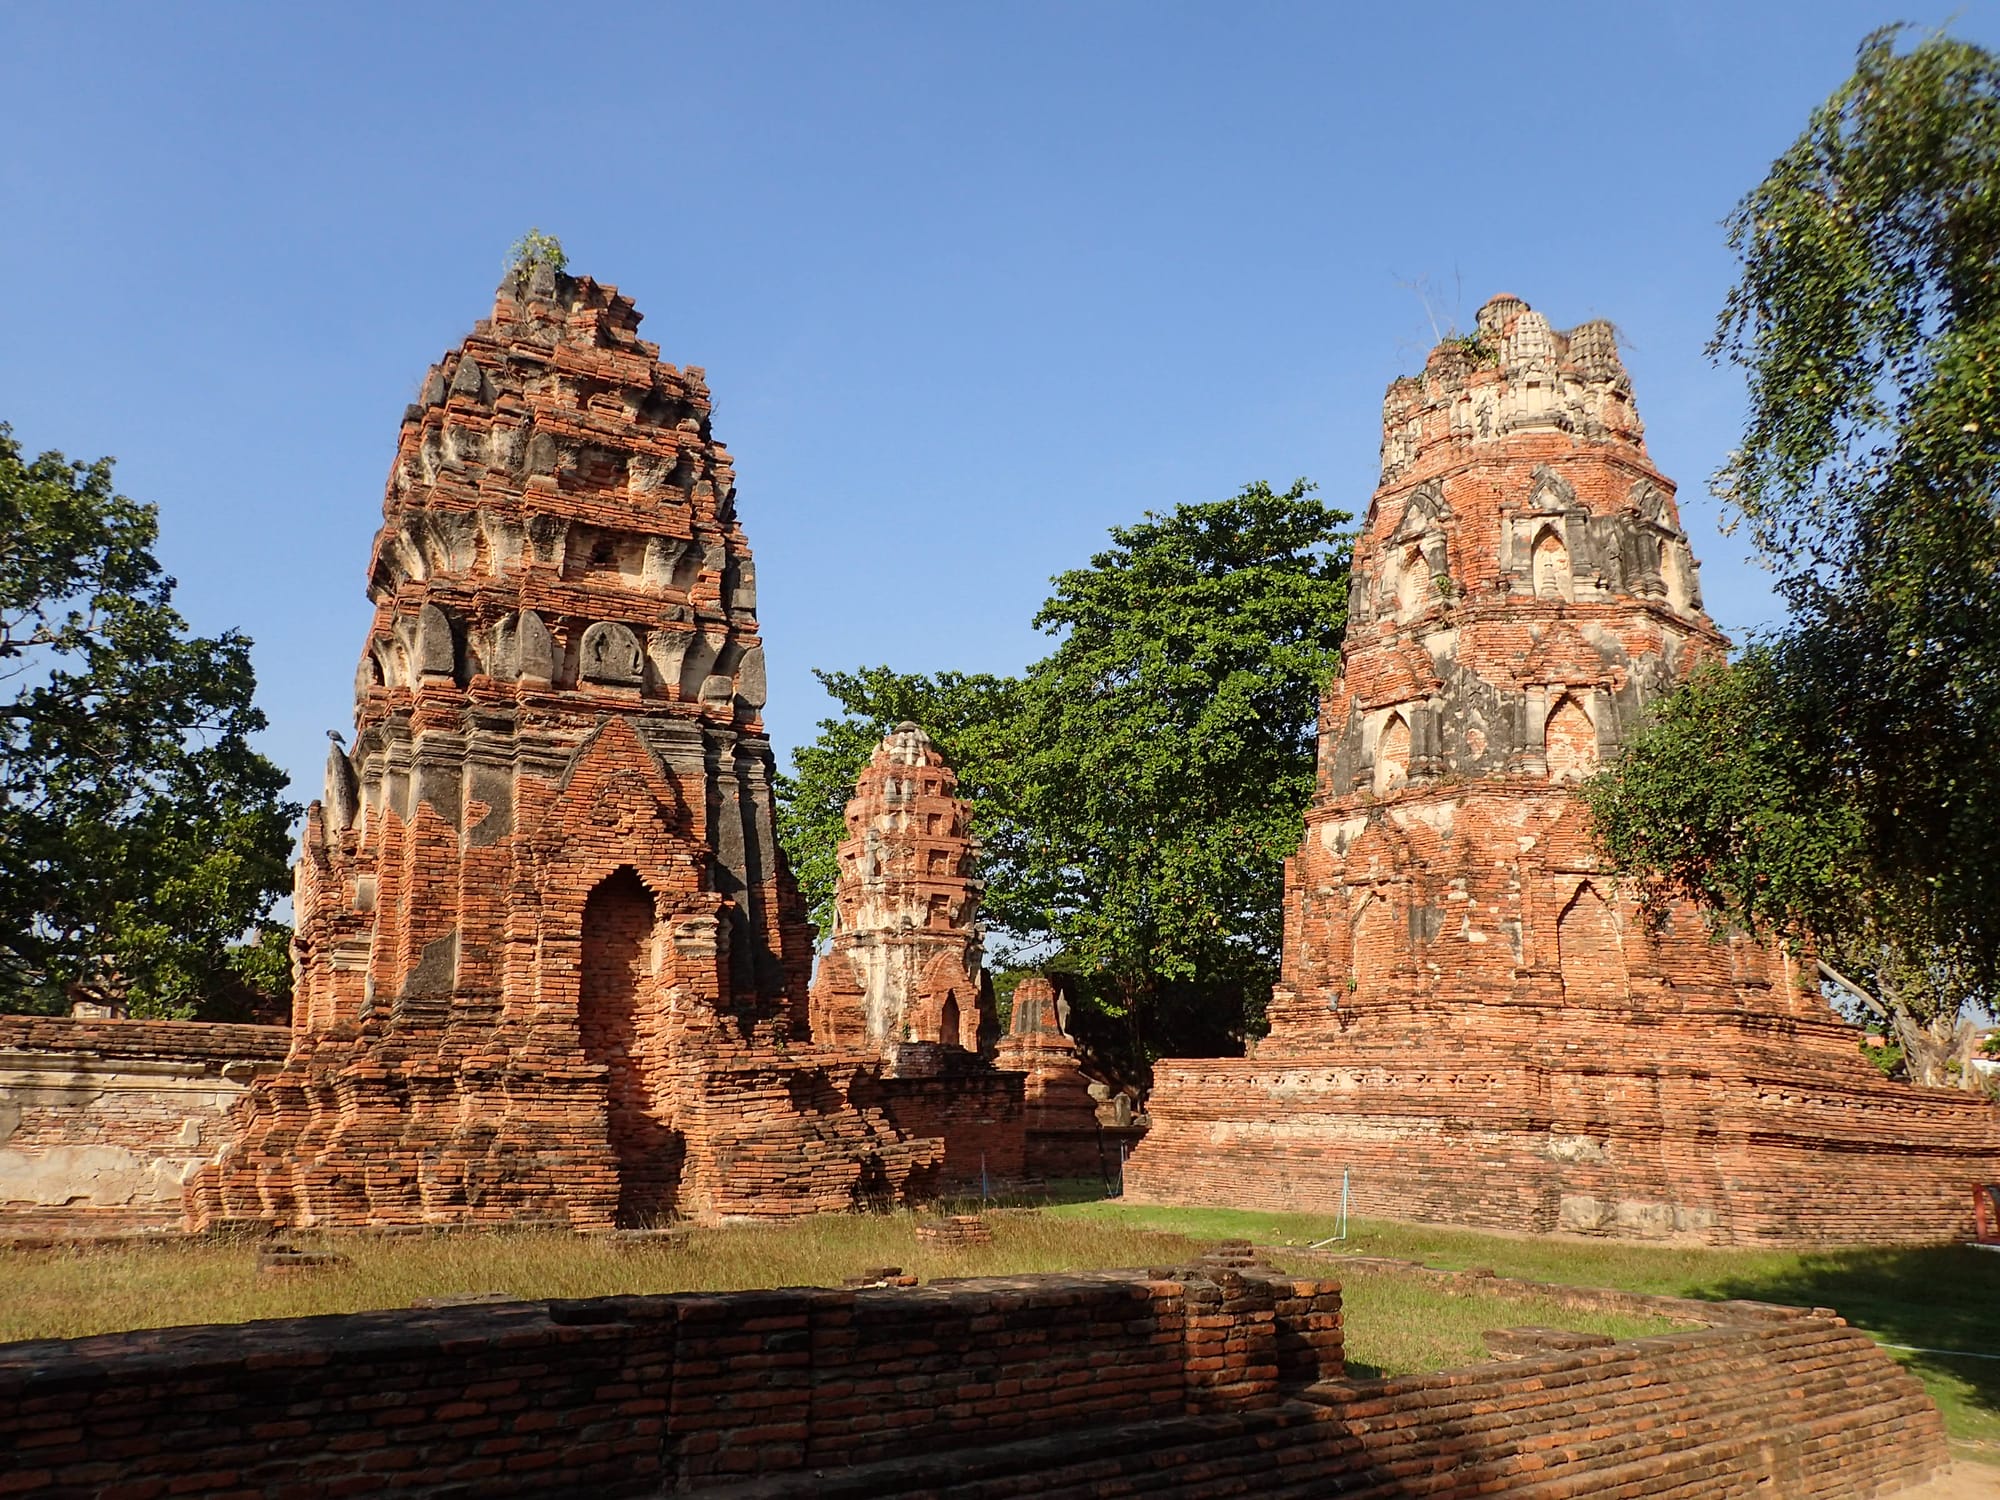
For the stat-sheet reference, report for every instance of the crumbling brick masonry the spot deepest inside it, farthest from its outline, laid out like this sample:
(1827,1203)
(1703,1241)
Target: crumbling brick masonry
(1475,1023)
(551,965)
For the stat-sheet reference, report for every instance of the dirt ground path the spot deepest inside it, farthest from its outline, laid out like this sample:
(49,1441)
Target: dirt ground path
(1962,1481)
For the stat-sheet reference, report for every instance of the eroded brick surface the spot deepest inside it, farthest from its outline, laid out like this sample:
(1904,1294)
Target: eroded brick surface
(904,958)
(1064,1135)
(551,965)
(1475,1024)
(103,1121)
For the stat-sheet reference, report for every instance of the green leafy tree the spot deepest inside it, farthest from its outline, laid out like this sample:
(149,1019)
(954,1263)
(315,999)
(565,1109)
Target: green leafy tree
(141,838)
(1841,782)
(1165,757)
(1138,790)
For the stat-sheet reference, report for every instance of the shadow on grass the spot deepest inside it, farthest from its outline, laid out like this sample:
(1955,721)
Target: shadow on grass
(1054,1193)
(1945,1297)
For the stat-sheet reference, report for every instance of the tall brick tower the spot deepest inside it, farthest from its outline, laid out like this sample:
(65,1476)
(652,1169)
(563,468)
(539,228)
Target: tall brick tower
(902,979)
(551,965)
(1475,1024)
(904,961)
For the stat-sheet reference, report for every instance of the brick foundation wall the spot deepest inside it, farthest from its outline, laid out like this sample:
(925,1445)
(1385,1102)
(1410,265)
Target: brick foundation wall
(1803,1410)
(1198,1383)
(633,1395)
(1696,1127)
(976,1114)
(101,1122)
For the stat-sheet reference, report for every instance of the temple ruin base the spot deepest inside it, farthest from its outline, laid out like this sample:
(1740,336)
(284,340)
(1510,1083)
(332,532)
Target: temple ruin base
(1717,1127)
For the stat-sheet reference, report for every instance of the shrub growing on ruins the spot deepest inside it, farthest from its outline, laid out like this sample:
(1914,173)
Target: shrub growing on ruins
(536,249)
(140,835)
(1841,781)
(1137,790)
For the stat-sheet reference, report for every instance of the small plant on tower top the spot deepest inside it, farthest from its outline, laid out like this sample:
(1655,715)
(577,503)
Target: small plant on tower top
(536,249)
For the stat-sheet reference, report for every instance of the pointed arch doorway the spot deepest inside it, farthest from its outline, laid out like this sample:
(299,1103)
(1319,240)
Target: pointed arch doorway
(622,1031)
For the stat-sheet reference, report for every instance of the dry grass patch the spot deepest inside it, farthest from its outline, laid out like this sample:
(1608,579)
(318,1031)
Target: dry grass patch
(73,1293)
(1395,1326)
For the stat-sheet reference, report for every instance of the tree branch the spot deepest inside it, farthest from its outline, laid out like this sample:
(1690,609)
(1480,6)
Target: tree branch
(1829,972)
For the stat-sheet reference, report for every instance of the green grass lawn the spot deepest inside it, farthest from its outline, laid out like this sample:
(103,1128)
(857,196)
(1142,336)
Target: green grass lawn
(1946,1298)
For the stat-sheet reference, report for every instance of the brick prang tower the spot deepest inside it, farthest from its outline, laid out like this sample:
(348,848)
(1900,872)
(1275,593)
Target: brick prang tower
(1475,1023)
(1065,1137)
(904,960)
(551,966)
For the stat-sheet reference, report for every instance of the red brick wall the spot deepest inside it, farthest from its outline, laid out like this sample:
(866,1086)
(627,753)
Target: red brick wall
(978,1116)
(1807,1410)
(1070,1388)
(100,1121)
(630,1395)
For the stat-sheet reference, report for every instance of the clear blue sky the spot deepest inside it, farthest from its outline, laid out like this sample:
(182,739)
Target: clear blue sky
(972,282)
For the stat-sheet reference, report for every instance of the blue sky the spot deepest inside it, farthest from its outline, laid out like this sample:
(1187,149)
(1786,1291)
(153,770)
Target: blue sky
(972,283)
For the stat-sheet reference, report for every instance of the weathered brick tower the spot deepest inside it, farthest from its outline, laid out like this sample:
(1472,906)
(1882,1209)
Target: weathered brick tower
(1065,1138)
(1474,1022)
(904,962)
(551,965)
(902,979)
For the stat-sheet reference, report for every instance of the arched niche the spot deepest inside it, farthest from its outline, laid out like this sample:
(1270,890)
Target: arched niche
(1371,949)
(1550,555)
(1590,950)
(437,652)
(1569,741)
(1412,581)
(1392,755)
(615,995)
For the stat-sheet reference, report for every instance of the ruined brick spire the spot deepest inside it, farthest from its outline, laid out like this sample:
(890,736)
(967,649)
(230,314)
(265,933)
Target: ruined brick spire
(904,963)
(1522,587)
(1475,1021)
(551,964)
(1522,590)
(1064,1137)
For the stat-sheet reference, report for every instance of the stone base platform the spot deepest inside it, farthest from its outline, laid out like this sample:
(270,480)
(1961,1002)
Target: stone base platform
(1722,1127)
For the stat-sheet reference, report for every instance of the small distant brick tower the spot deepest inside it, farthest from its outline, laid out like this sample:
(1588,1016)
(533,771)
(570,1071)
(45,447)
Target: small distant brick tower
(1064,1136)
(551,965)
(904,965)
(902,980)
(1475,1023)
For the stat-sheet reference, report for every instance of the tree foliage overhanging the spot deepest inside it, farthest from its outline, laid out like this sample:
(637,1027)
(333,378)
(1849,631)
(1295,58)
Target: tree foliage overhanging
(141,837)
(1841,781)
(1137,791)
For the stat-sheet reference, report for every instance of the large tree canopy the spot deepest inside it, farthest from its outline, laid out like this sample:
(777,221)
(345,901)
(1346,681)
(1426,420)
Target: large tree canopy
(141,838)
(1841,782)
(1138,790)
